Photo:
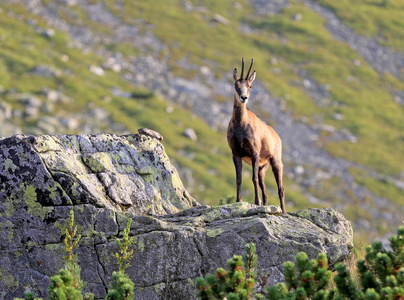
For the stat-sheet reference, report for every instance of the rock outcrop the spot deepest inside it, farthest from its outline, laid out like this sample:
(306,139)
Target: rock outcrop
(107,179)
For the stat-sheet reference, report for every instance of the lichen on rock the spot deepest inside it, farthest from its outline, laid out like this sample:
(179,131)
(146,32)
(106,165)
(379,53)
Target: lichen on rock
(107,179)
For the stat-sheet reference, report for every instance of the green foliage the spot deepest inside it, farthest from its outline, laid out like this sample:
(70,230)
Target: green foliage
(124,254)
(121,287)
(381,272)
(308,278)
(250,261)
(67,283)
(227,200)
(238,283)
(381,276)
(69,241)
(29,296)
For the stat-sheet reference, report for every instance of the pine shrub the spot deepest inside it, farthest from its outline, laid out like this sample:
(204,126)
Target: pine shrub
(122,286)
(235,284)
(381,273)
(307,279)
(67,284)
(381,277)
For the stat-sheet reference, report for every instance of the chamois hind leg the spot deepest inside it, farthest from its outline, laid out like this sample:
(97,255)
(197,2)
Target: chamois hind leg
(261,177)
(238,163)
(255,166)
(277,169)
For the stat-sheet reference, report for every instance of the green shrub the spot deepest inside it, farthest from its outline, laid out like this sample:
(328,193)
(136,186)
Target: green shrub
(122,286)
(381,276)
(67,284)
(29,296)
(310,278)
(237,283)
(381,273)
(227,200)
(124,254)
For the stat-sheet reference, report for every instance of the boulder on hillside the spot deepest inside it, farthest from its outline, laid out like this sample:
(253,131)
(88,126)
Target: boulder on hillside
(107,179)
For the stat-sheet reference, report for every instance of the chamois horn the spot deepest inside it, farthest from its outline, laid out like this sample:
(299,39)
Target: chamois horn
(248,73)
(242,67)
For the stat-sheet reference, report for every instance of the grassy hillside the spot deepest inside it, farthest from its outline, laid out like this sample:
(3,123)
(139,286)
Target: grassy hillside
(284,47)
(381,18)
(22,49)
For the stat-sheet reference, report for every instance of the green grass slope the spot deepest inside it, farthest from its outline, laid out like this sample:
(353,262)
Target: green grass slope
(356,91)
(22,49)
(379,18)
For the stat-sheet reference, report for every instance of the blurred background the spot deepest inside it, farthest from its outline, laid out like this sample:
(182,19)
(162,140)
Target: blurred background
(329,80)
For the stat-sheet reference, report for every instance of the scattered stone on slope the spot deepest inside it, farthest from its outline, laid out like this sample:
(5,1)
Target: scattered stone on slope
(5,111)
(381,58)
(46,71)
(48,33)
(97,70)
(220,19)
(191,134)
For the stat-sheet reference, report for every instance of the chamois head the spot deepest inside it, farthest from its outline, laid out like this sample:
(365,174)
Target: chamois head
(243,85)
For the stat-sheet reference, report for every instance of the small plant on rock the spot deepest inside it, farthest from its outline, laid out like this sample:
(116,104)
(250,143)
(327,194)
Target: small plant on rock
(227,200)
(122,286)
(67,284)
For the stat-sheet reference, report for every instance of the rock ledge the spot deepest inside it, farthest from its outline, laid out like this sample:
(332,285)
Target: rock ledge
(107,179)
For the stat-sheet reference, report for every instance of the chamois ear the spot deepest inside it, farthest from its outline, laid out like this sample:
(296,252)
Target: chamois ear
(252,77)
(235,74)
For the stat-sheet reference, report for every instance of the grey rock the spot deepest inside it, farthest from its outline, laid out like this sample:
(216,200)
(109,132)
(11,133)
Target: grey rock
(191,134)
(297,17)
(46,71)
(30,100)
(70,123)
(97,70)
(151,133)
(107,179)
(31,112)
(6,111)
(49,32)
(263,7)
(69,2)
(220,19)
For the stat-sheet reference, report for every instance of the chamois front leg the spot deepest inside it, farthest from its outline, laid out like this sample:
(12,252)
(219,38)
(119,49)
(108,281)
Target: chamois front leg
(277,169)
(255,166)
(238,163)
(261,177)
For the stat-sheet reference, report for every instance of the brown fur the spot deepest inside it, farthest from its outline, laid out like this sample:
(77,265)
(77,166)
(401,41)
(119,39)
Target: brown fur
(253,141)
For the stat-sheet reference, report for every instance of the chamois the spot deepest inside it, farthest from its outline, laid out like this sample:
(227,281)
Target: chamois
(253,141)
